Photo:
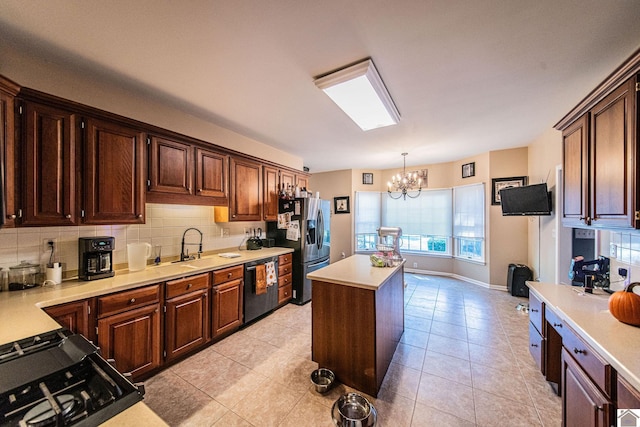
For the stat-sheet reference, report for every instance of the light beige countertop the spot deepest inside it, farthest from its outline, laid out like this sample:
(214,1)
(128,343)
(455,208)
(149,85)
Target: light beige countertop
(20,311)
(589,316)
(21,314)
(354,271)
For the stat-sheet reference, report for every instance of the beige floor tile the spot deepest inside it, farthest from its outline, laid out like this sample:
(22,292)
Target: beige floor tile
(418,323)
(447,396)
(449,346)
(493,410)
(415,338)
(268,405)
(508,384)
(308,412)
(401,380)
(409,356)
(288,369)
(449,367)
(426,416)
(457,318)
(231,419)
(449,330)
(393,410)
(491,356)
(234,386)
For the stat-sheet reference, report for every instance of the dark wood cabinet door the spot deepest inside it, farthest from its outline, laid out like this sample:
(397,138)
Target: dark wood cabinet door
(612,159)
(211,174)
(575,185)
(73,316)
(245,195)
(536,347)
(49,184)
(583,405)
(8,162)
(114,171)
(628,396)
(271,184)
(133,339)
(227,307)
(186,323)
(170,166)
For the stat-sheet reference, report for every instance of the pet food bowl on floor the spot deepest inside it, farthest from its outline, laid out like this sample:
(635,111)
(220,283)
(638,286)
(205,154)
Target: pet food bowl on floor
(322,379)
(353,410)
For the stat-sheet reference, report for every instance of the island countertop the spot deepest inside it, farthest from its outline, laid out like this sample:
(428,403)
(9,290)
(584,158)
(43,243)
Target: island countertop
(355,271)
(588,315)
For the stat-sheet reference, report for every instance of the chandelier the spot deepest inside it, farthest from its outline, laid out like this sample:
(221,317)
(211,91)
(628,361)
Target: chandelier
(405,183)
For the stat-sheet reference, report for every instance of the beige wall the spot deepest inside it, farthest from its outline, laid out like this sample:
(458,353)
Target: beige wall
(107,94)
(500,248)
(330,185)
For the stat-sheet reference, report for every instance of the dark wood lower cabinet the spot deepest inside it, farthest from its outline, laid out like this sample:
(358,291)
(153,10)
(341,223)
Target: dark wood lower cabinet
(186,323)
(583,404)
(74,316)
(227,307)
(133,339)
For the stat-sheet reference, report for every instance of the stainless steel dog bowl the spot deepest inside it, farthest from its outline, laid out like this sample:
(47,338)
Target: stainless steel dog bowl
(322,379)
(353,410)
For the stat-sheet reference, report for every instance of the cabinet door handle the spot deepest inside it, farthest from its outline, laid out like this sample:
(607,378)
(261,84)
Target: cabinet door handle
(199,190)
(576,351)
(534,345)
(534,310)
(68,216)
(189,285)
(12,216)
(139,215)
(557,325)
(132,300)
(229,275)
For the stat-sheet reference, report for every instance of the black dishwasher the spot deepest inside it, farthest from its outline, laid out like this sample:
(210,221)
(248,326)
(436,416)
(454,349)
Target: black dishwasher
(256,302)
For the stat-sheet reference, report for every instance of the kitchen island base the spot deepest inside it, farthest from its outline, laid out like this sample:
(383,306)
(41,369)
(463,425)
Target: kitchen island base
(355,330)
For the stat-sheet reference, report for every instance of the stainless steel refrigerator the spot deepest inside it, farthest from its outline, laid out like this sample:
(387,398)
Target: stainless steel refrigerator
(303,225)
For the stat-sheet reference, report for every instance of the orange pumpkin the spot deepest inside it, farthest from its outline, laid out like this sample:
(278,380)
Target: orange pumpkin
(625,305)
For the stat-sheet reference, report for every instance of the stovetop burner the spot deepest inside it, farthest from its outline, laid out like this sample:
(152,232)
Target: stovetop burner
(64,384)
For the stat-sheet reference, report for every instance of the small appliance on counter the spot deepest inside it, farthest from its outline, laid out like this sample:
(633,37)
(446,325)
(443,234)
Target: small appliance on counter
(95,257)
(24,276)
(255,241)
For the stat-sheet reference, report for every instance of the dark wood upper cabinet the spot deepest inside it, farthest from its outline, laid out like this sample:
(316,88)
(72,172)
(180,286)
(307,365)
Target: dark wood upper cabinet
(49,180)
(575,150)
(270,188)
(114,172)
(8,160)
(612,159)
(212,172)
(245,194)
(170,166)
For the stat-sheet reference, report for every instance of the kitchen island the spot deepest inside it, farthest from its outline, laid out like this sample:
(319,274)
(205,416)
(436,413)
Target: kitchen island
(357,320)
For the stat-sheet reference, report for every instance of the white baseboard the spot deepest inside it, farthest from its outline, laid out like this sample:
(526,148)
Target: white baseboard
(457,276)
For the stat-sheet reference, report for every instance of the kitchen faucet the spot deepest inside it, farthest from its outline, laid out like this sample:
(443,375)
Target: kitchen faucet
(185,256)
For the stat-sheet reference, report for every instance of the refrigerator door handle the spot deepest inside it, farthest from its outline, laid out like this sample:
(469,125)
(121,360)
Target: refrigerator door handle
(320,233)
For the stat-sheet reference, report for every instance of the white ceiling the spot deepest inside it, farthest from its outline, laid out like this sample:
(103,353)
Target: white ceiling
(467,76)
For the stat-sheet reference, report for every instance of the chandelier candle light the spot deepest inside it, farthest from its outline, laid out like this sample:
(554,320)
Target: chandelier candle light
(405,183)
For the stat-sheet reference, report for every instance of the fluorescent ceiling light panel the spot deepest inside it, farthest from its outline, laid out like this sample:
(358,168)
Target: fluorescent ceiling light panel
(359,91)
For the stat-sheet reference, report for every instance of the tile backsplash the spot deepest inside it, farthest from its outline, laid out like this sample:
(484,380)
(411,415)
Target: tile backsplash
(624,252)
(164,226)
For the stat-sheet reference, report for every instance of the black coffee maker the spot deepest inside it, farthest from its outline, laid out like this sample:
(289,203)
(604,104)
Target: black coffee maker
(95,257)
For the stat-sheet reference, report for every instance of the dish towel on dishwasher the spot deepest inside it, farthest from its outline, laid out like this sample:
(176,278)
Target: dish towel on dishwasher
(261,279)
(272,279)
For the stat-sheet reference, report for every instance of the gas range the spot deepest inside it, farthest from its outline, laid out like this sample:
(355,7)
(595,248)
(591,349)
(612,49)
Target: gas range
(60,379)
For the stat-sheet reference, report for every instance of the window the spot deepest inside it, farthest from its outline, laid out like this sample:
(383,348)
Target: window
(425,221)
(468,222)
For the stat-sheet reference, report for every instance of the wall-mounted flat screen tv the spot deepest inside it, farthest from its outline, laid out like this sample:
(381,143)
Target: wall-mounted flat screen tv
(528,200)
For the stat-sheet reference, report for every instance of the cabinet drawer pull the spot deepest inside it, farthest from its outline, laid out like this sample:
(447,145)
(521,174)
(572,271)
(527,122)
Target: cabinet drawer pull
(189,285)
(229,274)
(576,351)
(12,216)
(199,190)
(534,345)
(132,300)
(534,310)
(557,325)
(68,216)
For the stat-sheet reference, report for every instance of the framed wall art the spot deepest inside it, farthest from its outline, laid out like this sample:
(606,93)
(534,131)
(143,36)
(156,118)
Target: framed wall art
(367,178)
(498,184)
(341,205)
(469,170)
